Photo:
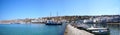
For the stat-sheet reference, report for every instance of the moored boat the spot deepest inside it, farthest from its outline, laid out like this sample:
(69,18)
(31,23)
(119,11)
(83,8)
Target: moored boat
(95,28)
(15,23)
(50,22)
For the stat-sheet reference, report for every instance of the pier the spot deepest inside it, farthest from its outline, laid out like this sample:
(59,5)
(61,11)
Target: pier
(70,30)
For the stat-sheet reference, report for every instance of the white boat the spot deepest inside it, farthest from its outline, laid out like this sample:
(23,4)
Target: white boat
(95,28)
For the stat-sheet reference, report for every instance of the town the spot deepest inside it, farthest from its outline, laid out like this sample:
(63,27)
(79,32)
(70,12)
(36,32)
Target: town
(107,18)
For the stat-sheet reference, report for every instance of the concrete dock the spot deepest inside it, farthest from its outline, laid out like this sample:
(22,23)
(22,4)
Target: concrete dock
(70,30)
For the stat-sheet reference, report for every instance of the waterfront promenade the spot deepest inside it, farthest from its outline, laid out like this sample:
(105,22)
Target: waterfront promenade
(70,30)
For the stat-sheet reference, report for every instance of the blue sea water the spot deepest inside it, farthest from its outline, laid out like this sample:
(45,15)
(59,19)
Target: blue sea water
(31,29)
(114,29)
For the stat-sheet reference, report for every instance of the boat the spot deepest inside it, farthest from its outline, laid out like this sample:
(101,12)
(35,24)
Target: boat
(114,20)
(15,23)
(98,31)
(50,22)
(95,28)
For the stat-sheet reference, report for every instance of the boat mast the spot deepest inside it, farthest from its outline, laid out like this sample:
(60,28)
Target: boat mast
(49,15)
(57,15)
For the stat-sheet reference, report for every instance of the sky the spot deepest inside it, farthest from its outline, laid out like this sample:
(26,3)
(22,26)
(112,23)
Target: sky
(19,9)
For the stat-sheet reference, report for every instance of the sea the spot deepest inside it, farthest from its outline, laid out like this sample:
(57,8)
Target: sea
(31,29)
(114,29)
(42,29)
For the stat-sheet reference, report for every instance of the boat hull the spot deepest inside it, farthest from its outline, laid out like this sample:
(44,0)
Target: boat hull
(53,23)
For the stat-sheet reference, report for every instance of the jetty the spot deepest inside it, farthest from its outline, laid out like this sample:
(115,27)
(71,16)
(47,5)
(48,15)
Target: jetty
(71,30)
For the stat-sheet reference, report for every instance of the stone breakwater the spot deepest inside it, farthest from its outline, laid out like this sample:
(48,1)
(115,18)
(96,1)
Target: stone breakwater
(70,30)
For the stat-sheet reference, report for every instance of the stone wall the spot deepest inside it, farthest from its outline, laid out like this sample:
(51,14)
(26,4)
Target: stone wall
(70,30)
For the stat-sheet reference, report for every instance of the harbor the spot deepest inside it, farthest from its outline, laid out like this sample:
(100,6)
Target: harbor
(42,29)
(101,25)
(59,17)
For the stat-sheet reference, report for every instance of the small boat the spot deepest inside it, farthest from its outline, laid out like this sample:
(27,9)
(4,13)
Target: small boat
(98,31)
(95,28)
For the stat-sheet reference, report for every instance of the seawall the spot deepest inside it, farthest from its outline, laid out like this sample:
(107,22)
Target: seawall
(70,30)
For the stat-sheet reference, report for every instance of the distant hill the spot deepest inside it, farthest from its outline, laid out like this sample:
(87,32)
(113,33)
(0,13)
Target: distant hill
(68,18)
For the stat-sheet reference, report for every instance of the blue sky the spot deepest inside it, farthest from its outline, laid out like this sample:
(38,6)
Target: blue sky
(13,9)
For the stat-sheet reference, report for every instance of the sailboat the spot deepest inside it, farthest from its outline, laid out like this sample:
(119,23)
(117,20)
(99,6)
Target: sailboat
(51,22)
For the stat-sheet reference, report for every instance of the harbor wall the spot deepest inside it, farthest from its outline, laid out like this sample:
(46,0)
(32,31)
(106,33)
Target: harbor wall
(70,30)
